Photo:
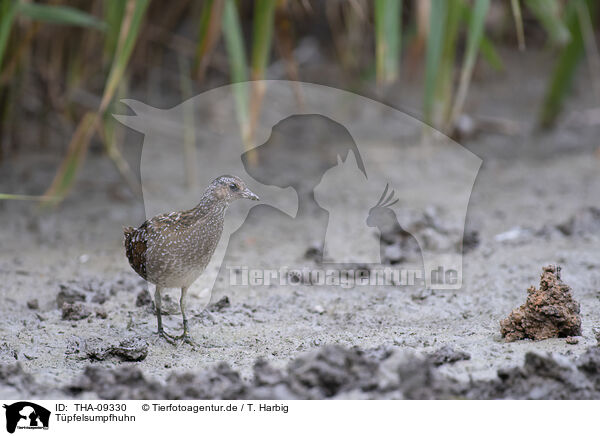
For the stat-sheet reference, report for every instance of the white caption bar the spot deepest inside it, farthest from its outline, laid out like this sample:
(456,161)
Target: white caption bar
(297,417)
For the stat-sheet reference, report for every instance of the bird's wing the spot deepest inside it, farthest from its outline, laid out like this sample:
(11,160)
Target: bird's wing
(136,244)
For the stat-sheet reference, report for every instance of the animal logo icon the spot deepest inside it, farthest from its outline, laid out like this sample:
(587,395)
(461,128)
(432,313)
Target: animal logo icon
(26,415)
(396,244)
(381,215)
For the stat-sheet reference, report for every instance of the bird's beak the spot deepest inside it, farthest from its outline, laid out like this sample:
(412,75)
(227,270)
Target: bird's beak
(250,195)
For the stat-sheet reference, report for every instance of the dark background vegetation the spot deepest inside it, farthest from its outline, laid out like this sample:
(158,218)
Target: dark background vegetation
(65,64)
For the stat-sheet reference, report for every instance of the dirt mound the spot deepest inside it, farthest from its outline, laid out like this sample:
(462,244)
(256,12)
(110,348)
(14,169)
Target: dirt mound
(131,349)
(447,354)
(124,382)
(129,382)
(400,245)
(549,311)
(335,372)
(584,222)
(548,377)
(14,380)
(13,375)
(331,372)
(341,373)
(75,311)
(218,383)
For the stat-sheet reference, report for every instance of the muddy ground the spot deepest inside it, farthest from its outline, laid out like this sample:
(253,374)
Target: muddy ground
(540,186)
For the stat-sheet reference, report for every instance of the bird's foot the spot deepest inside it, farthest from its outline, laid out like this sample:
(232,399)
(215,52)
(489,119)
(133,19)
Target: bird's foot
(185,337)
(167,337)
(188,340)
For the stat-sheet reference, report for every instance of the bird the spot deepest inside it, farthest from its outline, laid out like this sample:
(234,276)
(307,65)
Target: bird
(172,250)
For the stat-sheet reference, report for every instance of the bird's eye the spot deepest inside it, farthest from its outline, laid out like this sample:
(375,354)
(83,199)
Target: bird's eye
(233,187)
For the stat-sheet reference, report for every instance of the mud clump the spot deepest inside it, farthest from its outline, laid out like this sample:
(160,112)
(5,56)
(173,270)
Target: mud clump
(13,380)
(471,240)
(314,252)
(220,383)
(330,372)
(545,376)
(220,305)
(549,311)
(400,245)
(74,311)
(8,353)
(583,222)
(95,290)
(143,298)
(127,382)
(335,372)
(69,295)
(128,350)
(447,354)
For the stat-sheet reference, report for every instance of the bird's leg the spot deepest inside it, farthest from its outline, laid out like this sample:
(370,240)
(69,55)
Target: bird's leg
(185,335)
(158,303)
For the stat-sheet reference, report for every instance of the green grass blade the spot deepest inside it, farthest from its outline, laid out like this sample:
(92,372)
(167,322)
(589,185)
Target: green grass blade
(128,34)
(476,26)
(515,5)
(208,34)
(134,14)
(486,47)
(387,39)
(548,13)
(59,14)
(26,197)
(7,14)
(203,28)
(589,42)
(262,35)
(489,53)
(232,32)
(565,67)
(445,79)
(130,27)
(113,11)
(262,39)
(433,55)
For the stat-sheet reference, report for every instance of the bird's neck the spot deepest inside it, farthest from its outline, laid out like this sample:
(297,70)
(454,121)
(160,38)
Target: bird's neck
(210,205)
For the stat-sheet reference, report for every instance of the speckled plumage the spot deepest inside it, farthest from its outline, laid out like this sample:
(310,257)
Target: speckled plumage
(172,250)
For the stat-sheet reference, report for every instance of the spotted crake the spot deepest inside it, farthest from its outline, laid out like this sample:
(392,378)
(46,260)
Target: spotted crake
(172,250)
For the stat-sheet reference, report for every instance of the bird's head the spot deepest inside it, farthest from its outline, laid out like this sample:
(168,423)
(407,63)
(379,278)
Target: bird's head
(231,188)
